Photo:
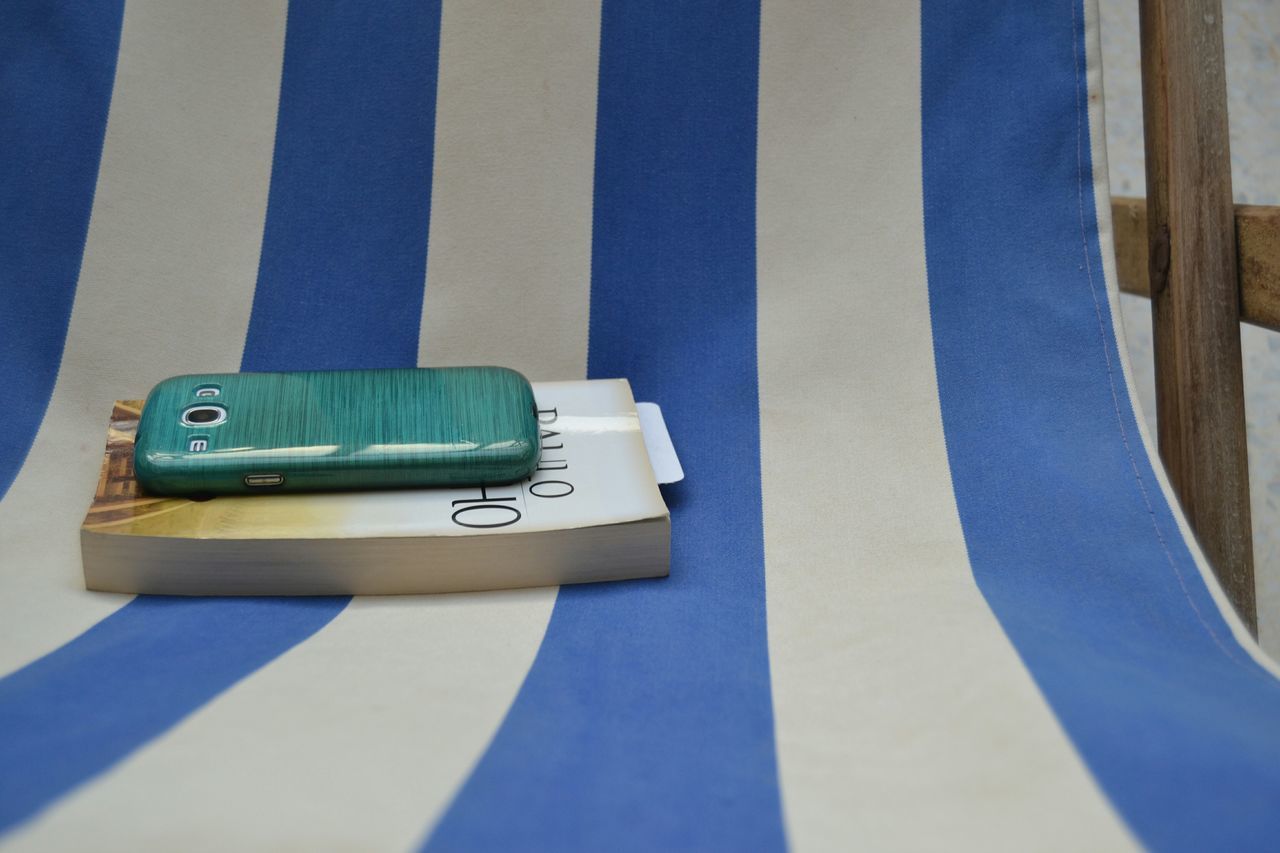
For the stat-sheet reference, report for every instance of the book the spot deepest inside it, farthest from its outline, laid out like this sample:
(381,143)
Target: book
(592,511)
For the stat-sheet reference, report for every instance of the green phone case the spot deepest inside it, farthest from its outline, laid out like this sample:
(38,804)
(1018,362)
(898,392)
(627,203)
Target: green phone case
(241,433)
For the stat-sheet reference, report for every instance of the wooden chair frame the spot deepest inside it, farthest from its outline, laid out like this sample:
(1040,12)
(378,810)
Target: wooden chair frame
(1206,264)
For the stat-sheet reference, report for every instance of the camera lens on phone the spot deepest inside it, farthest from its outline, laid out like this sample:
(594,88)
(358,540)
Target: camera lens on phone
(204,415)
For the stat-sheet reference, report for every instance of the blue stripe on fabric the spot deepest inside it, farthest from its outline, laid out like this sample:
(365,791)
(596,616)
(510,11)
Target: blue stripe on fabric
(80,709)
(645,722)
(350,189)
(136,674)
(1069,535)
(57,67)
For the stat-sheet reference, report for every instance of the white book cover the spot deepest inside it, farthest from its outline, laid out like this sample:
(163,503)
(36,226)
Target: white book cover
(591,511)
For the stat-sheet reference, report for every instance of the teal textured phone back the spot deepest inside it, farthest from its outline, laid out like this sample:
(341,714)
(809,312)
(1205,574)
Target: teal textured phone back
(226,433)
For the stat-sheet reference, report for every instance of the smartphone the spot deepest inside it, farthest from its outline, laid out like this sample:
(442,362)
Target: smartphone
(250,433)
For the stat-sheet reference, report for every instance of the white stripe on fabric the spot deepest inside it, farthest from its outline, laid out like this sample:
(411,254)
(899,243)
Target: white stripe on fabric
(905,719)
(358,738)
(1102,202)
(509,259)
(349,741)
(165,287)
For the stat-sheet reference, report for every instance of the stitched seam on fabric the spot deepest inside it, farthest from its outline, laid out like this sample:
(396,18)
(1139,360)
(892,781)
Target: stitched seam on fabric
(1106,350)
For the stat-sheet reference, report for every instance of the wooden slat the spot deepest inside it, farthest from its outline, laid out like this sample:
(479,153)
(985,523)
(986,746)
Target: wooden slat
(1257,256)
(1194,296)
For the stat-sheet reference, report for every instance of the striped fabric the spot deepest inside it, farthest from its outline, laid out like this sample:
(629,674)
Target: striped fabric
(928,589)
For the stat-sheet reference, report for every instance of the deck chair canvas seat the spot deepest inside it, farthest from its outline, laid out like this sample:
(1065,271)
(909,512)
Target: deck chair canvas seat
(928,588)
